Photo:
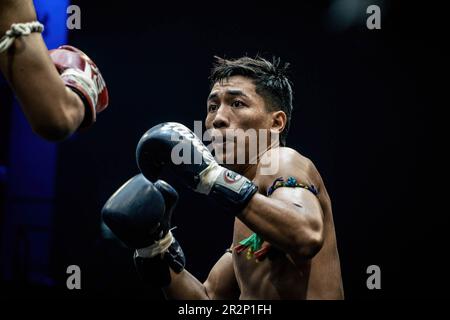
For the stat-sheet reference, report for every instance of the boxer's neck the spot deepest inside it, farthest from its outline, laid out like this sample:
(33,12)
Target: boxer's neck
(249,170)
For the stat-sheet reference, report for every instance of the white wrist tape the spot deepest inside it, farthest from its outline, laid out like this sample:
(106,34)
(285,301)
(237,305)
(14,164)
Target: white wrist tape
(157,248)
(208,177)
(82,81)
(18,30)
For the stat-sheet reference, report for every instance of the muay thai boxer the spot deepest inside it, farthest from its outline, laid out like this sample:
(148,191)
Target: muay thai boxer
(284,242)
(59,91)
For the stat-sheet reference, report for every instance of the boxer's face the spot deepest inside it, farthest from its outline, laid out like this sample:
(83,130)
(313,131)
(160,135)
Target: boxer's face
(232,105)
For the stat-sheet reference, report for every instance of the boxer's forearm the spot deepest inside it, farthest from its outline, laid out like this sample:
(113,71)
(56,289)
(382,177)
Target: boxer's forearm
(53,111)
(283,225)
(184,286)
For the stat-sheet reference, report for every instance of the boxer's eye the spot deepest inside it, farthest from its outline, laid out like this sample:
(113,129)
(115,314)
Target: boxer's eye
(213,107)
(237,104)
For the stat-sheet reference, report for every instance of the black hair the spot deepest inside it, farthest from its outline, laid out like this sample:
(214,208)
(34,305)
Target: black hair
(270,79)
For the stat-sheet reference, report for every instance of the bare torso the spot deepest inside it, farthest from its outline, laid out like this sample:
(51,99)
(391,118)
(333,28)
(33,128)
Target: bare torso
(281,278)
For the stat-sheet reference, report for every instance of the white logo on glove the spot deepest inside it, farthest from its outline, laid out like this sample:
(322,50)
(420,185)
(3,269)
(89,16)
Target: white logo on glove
(180,133)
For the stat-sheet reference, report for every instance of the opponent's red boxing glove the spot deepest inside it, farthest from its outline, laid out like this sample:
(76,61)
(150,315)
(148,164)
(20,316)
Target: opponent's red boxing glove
(81,74)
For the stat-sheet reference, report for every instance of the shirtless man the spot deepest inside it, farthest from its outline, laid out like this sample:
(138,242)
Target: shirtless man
(284,243)
(59,91)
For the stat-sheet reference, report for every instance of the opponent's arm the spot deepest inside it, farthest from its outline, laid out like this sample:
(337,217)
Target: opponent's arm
(53,110)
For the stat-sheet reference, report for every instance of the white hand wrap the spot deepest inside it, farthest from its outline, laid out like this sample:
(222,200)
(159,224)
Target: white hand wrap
(83,80)
(157,248)
(208,177)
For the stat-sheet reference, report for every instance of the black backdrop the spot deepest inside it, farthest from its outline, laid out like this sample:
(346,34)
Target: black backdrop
(362,113)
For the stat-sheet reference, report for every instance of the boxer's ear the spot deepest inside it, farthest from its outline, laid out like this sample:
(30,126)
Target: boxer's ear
(279,119)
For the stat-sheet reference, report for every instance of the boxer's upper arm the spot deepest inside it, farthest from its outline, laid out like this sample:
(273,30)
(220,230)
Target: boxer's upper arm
(305,173)
(300,200)
(221,283)
(305,202)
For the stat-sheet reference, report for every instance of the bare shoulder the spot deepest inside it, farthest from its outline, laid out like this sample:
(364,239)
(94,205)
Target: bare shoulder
(286,162)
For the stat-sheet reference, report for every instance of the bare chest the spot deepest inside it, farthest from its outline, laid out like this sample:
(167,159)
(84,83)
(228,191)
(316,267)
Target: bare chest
(270,278)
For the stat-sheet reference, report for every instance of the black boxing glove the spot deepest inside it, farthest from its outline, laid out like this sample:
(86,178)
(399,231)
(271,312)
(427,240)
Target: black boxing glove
(139,214)
(161,146)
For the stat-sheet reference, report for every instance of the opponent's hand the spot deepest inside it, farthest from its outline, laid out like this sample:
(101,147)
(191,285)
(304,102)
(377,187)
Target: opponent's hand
(80,74)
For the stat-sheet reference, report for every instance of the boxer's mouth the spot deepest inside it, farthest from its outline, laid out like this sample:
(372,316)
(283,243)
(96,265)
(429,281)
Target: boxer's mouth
(219,141)
(218,138)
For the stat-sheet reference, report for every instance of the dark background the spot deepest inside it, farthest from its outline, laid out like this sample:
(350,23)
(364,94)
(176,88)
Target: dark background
(366,113)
